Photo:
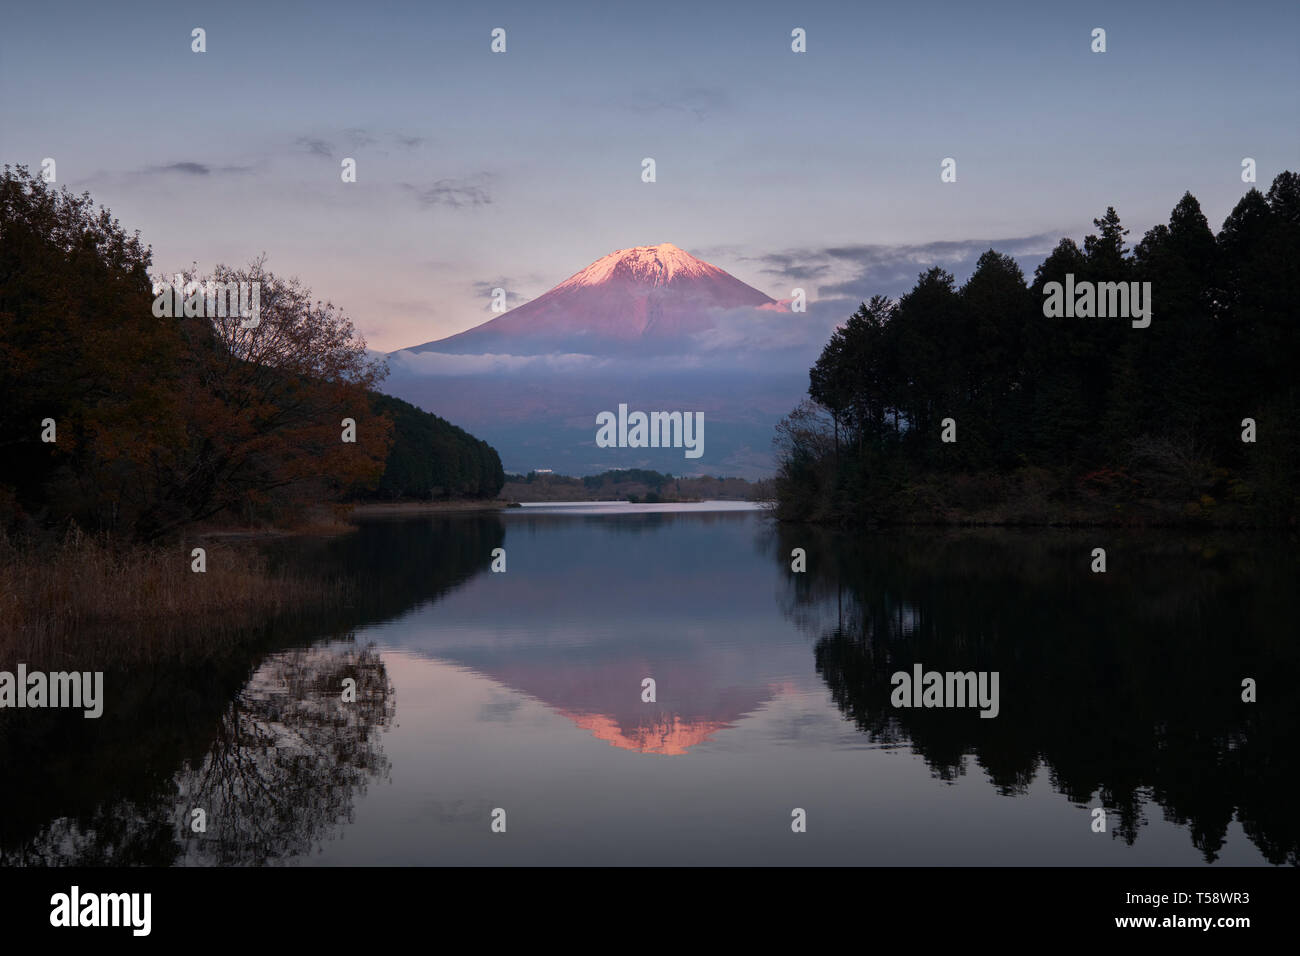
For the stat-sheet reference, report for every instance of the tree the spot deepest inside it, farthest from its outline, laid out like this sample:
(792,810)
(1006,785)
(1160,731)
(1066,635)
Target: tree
(1146,415)
(267,405)
(79,346)
(996,309)
(162,421)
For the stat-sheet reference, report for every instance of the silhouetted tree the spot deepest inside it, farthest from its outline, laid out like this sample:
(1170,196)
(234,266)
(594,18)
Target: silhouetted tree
(1142,419)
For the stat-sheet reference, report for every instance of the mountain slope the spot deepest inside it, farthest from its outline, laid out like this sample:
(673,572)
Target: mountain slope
(646,296)
(640,326)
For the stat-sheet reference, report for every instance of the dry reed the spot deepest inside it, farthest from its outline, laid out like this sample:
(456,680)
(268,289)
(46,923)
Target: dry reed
(85,600)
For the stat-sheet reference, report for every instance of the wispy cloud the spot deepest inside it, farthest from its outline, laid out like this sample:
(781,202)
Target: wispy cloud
(443,363)
(358,138)
(483,290)
(327,143)
(697,101)
(766,330)
(315,146)
(860,271)
(456,193)
(189,168)
(802,264)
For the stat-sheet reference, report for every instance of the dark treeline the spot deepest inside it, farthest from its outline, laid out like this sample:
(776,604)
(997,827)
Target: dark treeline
(1069,418)
(630,484)
(432,458)
(654,479)
(162,422)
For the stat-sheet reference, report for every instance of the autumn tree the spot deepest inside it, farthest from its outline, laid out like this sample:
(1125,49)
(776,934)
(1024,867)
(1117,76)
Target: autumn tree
(161,420)
(268,397)
(81,350)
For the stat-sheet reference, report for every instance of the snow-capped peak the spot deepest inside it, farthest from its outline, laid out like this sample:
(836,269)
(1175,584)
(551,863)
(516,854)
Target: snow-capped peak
(642,295)
(655,265)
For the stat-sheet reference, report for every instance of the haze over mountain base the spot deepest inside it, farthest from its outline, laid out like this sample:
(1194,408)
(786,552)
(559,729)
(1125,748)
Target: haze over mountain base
(548,420)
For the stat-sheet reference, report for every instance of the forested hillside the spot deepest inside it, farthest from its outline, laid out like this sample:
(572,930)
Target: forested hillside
(136,425)
(432,458)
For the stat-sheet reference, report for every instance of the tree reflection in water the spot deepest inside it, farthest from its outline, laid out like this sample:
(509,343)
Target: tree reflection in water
(286,761)
(1124,689)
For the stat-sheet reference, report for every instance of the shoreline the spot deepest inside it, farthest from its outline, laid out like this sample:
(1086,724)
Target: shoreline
(372,509)
(344,522)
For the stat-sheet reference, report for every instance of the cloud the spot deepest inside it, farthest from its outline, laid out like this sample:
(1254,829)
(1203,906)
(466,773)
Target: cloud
(358,138)
(698,101)
(863,270)
(189,168)
(767,339)
(455,193)
(747,332)
(744,339)
(483,290)
(443,363)
(315,146)
(802,264)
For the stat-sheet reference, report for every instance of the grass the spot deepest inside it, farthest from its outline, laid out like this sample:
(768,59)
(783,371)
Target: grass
(84,601)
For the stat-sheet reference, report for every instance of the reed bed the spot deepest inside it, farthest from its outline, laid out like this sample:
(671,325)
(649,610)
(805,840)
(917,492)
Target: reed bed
(85,600)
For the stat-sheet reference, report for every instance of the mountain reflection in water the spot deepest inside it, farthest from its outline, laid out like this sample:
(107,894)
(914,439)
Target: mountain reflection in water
(523,690)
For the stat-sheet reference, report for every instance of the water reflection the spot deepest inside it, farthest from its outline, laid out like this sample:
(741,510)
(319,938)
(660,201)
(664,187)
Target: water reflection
(1123,688)
(289,758)
(396,564)
(581,619)
(286,760)
(265,746)
(773,690)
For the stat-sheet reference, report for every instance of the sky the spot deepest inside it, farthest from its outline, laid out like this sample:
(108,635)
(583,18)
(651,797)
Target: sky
(478,169)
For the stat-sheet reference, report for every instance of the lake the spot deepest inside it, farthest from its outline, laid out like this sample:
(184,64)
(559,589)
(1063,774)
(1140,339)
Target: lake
(520,697)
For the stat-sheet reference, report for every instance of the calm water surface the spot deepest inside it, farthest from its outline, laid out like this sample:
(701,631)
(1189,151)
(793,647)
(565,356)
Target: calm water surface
(523,691)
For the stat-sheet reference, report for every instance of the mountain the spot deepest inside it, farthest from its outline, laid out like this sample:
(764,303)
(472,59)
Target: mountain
(652,327)
(645,297)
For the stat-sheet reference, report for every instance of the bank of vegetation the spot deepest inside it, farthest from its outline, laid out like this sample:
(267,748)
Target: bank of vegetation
(1069,420)
(125,433)
(638,485)
(94,603)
